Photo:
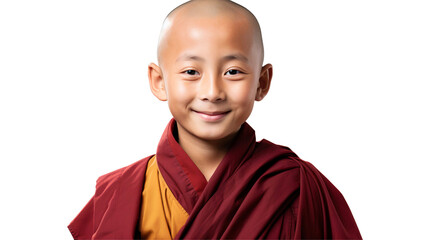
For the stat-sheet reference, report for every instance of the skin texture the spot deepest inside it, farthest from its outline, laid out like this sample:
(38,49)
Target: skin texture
(210,71)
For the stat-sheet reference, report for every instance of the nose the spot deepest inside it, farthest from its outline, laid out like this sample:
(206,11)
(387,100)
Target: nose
(211,89)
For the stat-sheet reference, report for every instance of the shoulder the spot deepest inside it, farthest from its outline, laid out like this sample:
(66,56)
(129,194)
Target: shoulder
(126,182)
(285,157)
(309,176)
(106,206)
(110,179)
(281,154)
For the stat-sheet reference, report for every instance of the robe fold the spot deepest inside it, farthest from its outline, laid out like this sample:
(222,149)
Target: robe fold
(259,190)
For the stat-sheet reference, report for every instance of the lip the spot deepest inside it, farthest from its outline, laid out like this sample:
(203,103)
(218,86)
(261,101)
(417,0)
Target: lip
(211,116)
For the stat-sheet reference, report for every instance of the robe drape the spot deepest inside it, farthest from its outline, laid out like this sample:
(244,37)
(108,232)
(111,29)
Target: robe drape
(259,190)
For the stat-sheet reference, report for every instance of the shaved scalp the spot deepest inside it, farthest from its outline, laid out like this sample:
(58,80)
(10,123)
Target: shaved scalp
(208,9)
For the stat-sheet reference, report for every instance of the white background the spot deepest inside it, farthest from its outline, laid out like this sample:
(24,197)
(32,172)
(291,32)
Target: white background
(349,94)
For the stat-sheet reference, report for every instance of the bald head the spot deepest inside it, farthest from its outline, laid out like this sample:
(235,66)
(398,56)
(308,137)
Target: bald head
(216,11)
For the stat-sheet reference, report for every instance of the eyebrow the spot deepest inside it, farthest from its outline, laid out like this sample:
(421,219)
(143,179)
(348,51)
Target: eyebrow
(239,57)
(190,57)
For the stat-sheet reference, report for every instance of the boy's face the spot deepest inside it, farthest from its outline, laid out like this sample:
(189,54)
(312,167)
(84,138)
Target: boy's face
(210,68)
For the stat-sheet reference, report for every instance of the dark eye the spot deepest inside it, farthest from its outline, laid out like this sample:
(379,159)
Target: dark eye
(232,72)
(191,72)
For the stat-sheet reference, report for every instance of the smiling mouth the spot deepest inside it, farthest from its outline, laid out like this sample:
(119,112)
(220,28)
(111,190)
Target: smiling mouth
(211,116)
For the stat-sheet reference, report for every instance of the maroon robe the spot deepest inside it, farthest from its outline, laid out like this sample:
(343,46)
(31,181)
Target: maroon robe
(259,190)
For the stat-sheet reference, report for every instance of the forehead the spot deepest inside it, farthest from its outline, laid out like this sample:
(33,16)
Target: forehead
(224,32)
(219,27)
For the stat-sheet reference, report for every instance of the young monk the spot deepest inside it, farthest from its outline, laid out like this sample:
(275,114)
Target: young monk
(209,177)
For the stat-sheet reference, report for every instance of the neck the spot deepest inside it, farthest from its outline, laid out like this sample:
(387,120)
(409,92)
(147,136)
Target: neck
(206,154)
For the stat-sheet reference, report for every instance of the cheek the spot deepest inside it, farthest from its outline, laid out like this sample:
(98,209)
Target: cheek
(179,91)
(179,96)
(242,92)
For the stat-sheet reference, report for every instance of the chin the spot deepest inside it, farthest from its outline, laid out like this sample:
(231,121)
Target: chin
(208,136)
(215,134)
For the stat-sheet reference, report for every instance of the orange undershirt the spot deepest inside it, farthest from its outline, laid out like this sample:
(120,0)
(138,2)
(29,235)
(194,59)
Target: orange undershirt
(161,215)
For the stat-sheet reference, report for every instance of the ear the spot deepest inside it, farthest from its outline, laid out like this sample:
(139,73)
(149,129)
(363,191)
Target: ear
(156,82)
(264,82)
